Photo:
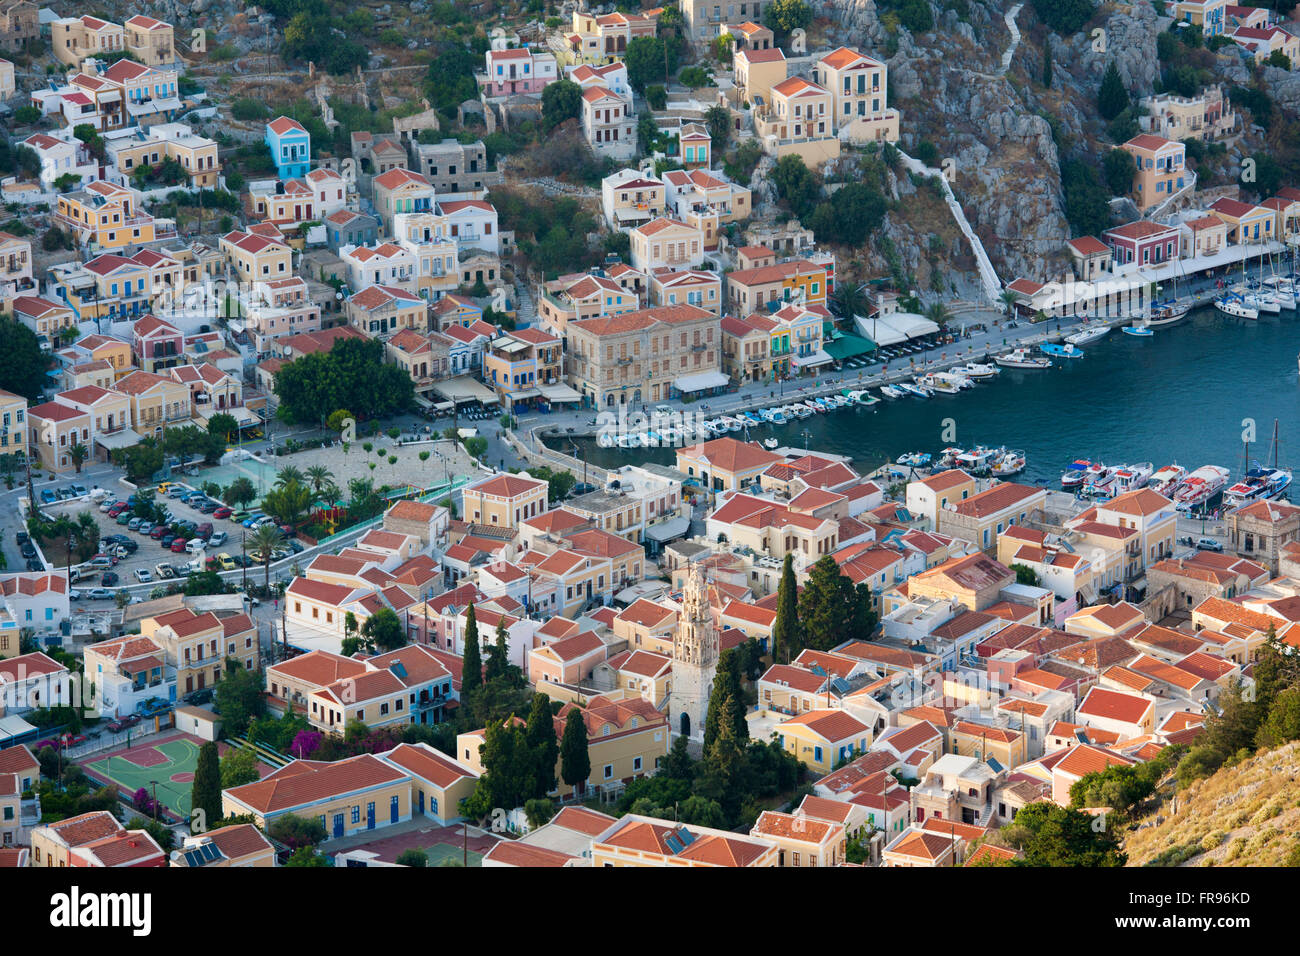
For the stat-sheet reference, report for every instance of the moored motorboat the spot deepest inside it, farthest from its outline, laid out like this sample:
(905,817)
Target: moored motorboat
(1132,477)
(892,391)
(1166,479)
(1235,306)
(978,370)
(1087,335)
(1067,351)
(915,459)
(863,398)
(1021,358)
(1200,486)
(914,390)
(1139,330)
(1164,314)
(1076,474)
(1011,462)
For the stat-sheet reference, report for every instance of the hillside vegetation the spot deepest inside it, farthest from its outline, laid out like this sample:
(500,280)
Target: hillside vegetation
(1243,815)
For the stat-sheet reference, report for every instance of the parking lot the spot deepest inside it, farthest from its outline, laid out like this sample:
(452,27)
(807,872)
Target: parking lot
(149,552)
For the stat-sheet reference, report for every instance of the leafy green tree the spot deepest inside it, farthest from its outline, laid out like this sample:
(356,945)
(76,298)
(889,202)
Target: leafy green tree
(678,765)
(22,364)
(412,857)
(1119,169)
(795,184)
(498,654)
(561,101)
(717,119)
(558,482)
(223,426)
(297,832)
(1025,575)
(1087,204)
(1064,16)
(651,59)
(239,697)
(353,371)
(575,761)
(202,583)
(1112,97)
(306,857)
(1057,836)
(238,767)
(239,493)
(831,609)
(451,77)
(785,16)
(205,792)
(288,503)
(723,773)
(384,630)
(471,678)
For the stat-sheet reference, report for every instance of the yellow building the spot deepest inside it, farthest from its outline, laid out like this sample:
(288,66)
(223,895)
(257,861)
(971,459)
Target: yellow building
(821,739)
(504,500)
(107,215)
(348,796)
(13,424)
(198,645)
(1161,169)
(54,430)
(75,38)
(256,257)
(756,72)
(156,401)
(801,840)
(153,42)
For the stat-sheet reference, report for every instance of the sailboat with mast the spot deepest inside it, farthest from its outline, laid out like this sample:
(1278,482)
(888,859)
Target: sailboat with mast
(1163,313)
(1259,482)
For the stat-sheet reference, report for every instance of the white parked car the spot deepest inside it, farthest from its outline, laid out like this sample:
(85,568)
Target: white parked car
(195,545)
(143,575)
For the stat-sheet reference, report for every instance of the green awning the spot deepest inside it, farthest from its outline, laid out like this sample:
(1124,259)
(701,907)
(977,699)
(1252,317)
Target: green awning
(847,346)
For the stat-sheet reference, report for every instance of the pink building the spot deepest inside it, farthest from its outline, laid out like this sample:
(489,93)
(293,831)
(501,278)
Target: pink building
(518,72)
(1147,243)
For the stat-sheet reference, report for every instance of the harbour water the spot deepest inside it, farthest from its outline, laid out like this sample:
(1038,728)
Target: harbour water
(1180,395)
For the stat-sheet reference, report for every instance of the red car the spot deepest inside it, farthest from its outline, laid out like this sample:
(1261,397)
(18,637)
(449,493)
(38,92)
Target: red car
(158,532)
(117,509)
(222,512)
(178,546)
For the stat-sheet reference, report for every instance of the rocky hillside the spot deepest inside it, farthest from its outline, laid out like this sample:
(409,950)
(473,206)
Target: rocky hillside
(1247,815)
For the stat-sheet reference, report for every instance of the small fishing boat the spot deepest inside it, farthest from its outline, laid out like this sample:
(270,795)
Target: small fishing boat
(1139,330)
(948,457)
(1021,358)
(1164,314)
(979,460)
(978,370)
(892,391)
(1166,479)
(1235,306)
(912,389)
(751,418)
(799,410)
(1010,463)
(1076,474)
(769,443)
(776,416)
(915,459)
(938,383)
(864,398)
(1087,335)
(1067,351)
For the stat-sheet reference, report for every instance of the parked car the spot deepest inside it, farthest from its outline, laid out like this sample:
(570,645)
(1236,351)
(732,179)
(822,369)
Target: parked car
(1209,544)
(158,532)
(100,561)
(131,546)
(164,571)
(74,740)
(76,594)
(28,550)
(123,723)
(240,516)
(208,506)
(222,512)
(194,546)
(143,575)
(34,564)
(178,491)
(226,562)
(125,518)
(219,538)
(204,530)
(145,527)
(297,547)
(252,519)
(105,507)
(49,497)
(95,594)
(288,531)
(109,579)
(79,491)
(179,545)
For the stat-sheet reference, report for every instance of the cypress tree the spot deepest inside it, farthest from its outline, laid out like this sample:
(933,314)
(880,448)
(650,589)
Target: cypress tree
(471,678)
(787,641)
(1112,98)
(542,745)
(205,794)
(575,761)
(726,702)
(498,654)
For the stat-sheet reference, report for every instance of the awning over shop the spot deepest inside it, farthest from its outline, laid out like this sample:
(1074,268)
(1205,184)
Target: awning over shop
(464,390)
(559,393)
(698,383)
(878,330)
(444,406)
(847,346)
(242,416)
(812,361)
(153,106)
(667,530)
(524,395)
(120,439)
(423,403)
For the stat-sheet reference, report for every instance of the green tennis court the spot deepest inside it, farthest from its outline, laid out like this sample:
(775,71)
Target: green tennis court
(166,767)
(440,852)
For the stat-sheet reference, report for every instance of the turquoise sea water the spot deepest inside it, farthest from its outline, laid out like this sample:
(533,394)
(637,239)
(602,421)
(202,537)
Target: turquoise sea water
(1186,394)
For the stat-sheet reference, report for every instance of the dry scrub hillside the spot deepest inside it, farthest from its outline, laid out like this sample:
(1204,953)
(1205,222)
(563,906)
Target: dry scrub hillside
(1246,815)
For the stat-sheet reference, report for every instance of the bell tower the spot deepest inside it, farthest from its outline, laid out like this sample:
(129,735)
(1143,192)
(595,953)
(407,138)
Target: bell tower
(695,659)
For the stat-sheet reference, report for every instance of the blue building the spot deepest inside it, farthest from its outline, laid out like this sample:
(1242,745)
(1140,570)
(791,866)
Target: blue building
(290,146)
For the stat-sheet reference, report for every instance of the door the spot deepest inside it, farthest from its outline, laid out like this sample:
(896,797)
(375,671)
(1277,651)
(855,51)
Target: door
(370,816)
(203,679)
(338,825)
(686,724)
(419,802)
(392,810)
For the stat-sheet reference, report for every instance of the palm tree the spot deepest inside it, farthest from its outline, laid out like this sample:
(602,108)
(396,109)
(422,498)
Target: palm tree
(938,313)
(78,453)
(86,535)
(287,474)
(264,542)
(1008,300)
(851,299)
(318,477)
